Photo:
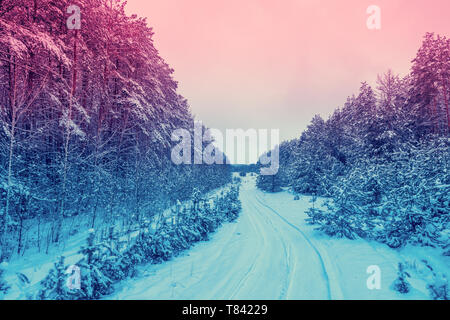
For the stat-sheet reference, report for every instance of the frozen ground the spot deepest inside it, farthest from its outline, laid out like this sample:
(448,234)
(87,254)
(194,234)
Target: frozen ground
(271,253)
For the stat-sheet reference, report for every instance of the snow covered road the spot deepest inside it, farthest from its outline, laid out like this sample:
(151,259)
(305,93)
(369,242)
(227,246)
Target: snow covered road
(269,253)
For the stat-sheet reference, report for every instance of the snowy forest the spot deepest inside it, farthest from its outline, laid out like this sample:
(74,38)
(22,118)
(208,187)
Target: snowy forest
(86,129)
(383,158)
(93,207)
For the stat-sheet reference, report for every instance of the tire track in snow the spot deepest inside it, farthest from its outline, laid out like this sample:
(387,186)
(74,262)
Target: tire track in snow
(287,253)
(289,273)
(241,283)
(336,293)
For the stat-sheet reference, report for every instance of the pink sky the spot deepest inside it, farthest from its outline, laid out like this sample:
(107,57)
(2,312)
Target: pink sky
(274,64)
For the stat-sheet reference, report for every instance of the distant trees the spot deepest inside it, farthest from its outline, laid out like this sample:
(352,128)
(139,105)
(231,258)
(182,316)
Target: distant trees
(246,168)
(86,118)
(270,183)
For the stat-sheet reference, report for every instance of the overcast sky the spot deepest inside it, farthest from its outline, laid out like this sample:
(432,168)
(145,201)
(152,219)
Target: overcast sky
(275,64)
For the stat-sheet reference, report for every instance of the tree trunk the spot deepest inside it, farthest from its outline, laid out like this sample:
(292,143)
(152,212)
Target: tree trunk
(67,140)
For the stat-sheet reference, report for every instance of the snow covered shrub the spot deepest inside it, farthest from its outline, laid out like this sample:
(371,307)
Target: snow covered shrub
(94,281)
(207,219)
(182,240)
(395,235)
(426,235)
(230,203)
(336,225)
(4,287)
(189,232)
(113,260)
(341,218)
(160,246)
(399,229)
(178,240)
(401,284)
(54,286)
(193,224)
(315,216)
(115,264)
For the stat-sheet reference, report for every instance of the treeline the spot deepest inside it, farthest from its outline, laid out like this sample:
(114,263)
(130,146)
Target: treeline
(244,168)
(86,118)
(383,158)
